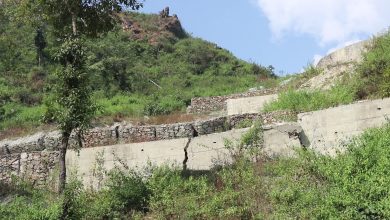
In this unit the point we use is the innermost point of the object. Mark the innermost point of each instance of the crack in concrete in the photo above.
(186, 154)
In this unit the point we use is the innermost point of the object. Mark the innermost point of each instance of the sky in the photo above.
(287, 34)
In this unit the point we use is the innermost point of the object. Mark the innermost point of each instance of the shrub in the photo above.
(24, 202)
(353, 185)
(233, 192)
(124, 193)
(374, 71)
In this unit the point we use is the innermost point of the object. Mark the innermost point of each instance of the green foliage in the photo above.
(310, 71)
(374, 71)
(353, 185)
(244, 124)
(249, 145)
(72, 89)
(304, 101)
(229, 193)
(121, 69)
(124, 193)
(28, 203)
(233, 192)
(128, 190)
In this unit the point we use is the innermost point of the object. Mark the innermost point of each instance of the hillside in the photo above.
(148, 65)
(303, 146)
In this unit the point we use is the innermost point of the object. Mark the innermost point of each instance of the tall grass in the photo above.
(304, 101)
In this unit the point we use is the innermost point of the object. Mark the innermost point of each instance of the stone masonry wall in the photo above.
(35, 167)
(9, 165)
(218, 103)
(122, 134)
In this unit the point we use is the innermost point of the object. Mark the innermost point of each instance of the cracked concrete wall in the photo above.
(321, 130)
(193, 153)
(327, 130)
(198, 153)
(126, 133)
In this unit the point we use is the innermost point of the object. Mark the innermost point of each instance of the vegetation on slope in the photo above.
(304, 101)
(371, 80)
(374, 71)
(148, 65)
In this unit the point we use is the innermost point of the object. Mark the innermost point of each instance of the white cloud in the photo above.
(329, 21)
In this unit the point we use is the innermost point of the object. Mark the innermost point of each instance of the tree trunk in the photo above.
(40, 58)
(63, 149)
(74, 24)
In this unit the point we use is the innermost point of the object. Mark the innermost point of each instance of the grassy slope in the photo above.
(371, 80)
(123, 67)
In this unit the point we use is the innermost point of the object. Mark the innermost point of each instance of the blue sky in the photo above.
(287, 34)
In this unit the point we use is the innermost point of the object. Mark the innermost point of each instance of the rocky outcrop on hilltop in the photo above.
(154, 29)
(336, 65)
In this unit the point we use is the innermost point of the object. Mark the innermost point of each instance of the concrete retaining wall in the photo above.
(195, 153)
(202, 153)
(327, 129)
(124, 133)
(218, 103)
(324, 131)
(249, 104)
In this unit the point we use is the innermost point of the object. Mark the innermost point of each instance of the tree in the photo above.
(40, 44)
(72, 21)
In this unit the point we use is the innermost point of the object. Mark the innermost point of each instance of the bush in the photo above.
(233, 192)
(124, 194)
(353, 185)
(374, 71)
(25, 203)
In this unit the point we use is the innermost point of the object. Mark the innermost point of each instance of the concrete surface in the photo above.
(202, 153)
(249, 104)
(327, 130)
(134, 156)
(280, 140)
(208, 151)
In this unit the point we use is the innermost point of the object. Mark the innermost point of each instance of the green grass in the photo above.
(353, 185)
(304, 101)
(14, 115)
(374, 71)
(123, 74)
